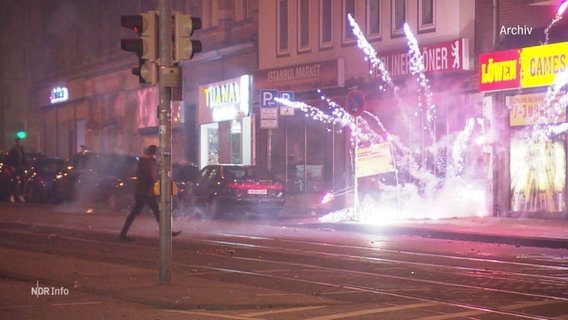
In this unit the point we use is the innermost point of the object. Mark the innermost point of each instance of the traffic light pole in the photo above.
(165, 135)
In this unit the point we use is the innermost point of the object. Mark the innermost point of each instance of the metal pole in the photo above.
(355, 174)
(165, 135)
(269, 150)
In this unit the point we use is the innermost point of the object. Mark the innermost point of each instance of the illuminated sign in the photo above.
(58, 94)
(541, 64)
(438, 57)
(374, 159)
(522, 68)
(229, 99)
(527, 109)
(499, 70)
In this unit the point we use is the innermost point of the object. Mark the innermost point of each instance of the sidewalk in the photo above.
(513, 231)
(127, 283)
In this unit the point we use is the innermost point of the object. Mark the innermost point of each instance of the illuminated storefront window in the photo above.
(225, 122)
(537, 165)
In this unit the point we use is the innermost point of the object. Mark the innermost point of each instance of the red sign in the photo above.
(439, 57)
(499, 70)
(355, 103)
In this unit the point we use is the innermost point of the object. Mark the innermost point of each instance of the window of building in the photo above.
(348, 8)
(282, 27)
(209, 12)
(303, 25)
(426, 15)
(373, 19)
(326, 11)
(244, 9)
(398, 17)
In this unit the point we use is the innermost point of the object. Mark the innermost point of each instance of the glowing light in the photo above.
(327, 197)
(561, 8)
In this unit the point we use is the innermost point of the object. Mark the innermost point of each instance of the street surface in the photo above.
(249, 268)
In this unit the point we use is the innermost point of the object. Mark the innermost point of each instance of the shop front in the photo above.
(307, 153)
(525, 87)
(225, 122)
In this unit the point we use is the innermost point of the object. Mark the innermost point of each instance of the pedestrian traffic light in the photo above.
(145, 46)
(184, 47)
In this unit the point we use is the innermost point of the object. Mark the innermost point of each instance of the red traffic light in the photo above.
(135, 23)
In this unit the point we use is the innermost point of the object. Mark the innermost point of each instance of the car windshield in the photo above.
(255, 173)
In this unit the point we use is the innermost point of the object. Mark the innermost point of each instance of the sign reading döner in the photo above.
(439, 57)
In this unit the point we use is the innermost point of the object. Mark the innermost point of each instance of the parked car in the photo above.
(38, 185)
(183, 175)
(88, 176)
(238, 189)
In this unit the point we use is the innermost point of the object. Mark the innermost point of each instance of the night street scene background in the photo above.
(328, 159)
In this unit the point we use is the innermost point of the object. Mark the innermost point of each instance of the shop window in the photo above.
(538, 174)
(307, 159)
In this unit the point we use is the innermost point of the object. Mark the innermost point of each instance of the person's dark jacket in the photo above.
(17, 158)
(146, 175)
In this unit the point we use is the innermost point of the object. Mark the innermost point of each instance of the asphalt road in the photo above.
(255, 269)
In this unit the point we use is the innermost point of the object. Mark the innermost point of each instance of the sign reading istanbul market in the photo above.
(438, 57)
(522, 68)
(225, 100)
(308, 76)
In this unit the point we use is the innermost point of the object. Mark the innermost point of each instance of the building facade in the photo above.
(77, 89)
(310, 52)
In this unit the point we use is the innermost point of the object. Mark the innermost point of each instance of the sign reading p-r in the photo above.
(267, 98)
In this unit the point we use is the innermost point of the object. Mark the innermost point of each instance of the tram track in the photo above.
(363, 270)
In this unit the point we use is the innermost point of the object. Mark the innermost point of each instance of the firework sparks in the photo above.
(369, 51)
(561, 8)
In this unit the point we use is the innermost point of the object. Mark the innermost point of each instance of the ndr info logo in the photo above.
(49, 291)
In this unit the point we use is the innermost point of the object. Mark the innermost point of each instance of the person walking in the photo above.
(146, 177)
(18, 162)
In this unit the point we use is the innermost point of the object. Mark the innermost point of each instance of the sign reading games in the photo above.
(522, 68)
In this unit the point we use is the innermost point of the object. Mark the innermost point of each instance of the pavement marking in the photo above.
(478, 312)
(329, 293)
(270, 312)
(75, 303)
(280, 294)
(372, 311)
(19, 306)
(212, 315)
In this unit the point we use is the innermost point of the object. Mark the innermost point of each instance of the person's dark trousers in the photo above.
(141, 200)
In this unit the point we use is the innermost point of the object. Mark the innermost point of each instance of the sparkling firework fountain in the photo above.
(422, 194)
(561, 8)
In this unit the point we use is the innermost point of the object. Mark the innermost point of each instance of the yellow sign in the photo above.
(529, 109)
(157, 188)
(374, 159)
(541, 64)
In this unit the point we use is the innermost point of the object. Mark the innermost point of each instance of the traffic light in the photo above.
(184, 47)
(21, 134)
(145, 46)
